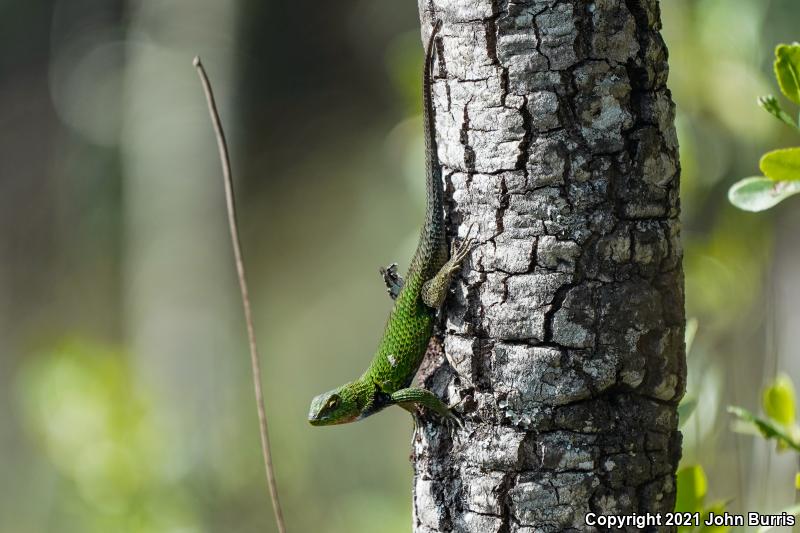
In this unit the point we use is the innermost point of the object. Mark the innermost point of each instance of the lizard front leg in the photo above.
(434, 291)
(412, 397)
(393, 280)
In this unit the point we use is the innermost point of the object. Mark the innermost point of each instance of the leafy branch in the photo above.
(781, 168)
(780, 422)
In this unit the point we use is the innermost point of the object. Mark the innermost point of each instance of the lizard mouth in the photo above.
(331, 421)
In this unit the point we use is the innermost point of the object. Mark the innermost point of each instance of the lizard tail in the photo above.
(432, 249)
(427, 100)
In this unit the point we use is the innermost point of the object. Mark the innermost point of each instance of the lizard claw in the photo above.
(452, 421)
(460, 252)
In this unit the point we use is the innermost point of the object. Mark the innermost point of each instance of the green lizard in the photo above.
(410, 324)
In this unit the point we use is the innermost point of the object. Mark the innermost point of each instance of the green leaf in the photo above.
(781, 165)
(759, 193)
(787, 70)
(767, 428)
(779, 402)
(770, 104)
(685, 409)
(793, 510)
(692, 488)
(797, 481)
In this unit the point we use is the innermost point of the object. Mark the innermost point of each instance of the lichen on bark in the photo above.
(562, 345)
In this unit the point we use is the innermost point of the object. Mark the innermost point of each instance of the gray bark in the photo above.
(563, 343)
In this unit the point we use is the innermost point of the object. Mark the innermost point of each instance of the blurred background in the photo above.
(125, 395)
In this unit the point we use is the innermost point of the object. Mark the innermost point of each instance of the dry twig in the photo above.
(248, 314)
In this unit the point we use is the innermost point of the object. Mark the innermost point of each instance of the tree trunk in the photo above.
(563, 343)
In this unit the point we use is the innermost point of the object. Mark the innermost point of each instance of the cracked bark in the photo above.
(563, 343)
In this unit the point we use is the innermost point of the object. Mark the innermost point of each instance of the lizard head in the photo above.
(338, 406)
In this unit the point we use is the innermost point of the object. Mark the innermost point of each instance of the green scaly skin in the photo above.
(410, 324)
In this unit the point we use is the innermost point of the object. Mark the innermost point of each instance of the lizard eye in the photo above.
(332, 402)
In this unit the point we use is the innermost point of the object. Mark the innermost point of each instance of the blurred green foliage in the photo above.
(691, 500)
(780, 424)
(781, 168)
(102, 434)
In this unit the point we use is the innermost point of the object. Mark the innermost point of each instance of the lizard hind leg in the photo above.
(434, 291)
(393, 280)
